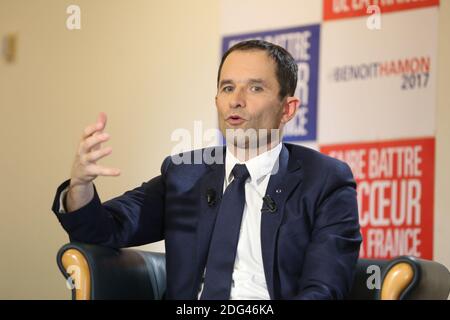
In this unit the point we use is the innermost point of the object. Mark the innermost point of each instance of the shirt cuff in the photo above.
(62, 197)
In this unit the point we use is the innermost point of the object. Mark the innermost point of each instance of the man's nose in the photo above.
(238, 98)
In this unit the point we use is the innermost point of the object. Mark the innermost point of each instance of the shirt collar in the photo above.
(258, 167)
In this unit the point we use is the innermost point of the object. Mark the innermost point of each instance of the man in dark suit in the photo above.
(263, 220)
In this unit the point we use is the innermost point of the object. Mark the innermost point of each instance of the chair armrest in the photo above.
(411, 278)
(98, 272)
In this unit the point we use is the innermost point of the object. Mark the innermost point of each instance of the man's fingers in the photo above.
(101, 120)
(98, 126)
(89, 130)
(96, 155)
(104, 171)
(92, 141)
(98, 145)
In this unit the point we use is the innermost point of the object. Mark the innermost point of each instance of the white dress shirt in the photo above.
(249, 281)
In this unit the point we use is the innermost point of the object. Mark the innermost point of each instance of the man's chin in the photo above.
(242, 126)
(250, 137)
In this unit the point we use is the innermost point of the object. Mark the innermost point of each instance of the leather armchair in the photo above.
(96, 272)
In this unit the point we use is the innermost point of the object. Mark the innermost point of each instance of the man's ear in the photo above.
(290, 107)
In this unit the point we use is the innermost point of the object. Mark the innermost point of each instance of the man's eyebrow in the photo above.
(251, 81)
(259, 81)
(224, 82)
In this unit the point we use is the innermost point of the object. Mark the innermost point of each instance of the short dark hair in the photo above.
(286, 67)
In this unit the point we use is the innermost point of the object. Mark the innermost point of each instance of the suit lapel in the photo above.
(280, 186)
(213, 179)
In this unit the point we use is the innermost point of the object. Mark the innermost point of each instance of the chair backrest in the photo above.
(401, 278)
(156, 265)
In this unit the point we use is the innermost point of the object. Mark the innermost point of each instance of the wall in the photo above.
(150, 65)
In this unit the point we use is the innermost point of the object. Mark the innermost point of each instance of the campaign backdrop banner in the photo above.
(395, 187)
(303, 44)
(376, 93)
(341, 9)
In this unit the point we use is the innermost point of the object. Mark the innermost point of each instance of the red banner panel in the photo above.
(341, 9)
(395, 185)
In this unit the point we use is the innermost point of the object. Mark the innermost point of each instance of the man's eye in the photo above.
(227, 89)
(256, 89)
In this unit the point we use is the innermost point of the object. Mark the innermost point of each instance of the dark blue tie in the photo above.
(222, 250)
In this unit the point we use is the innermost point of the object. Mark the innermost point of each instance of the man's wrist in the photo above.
(78, 195)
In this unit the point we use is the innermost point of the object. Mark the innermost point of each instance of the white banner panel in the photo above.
(378, 84)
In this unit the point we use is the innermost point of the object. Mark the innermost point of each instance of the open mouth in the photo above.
(235, 120)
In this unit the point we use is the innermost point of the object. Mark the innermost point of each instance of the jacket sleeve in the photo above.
(332, 254)
(132, 219)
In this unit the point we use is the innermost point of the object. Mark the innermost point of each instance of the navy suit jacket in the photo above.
(310, 244)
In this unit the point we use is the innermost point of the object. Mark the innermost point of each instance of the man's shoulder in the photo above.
(194, 160)
(314, 162)
(309, 156)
